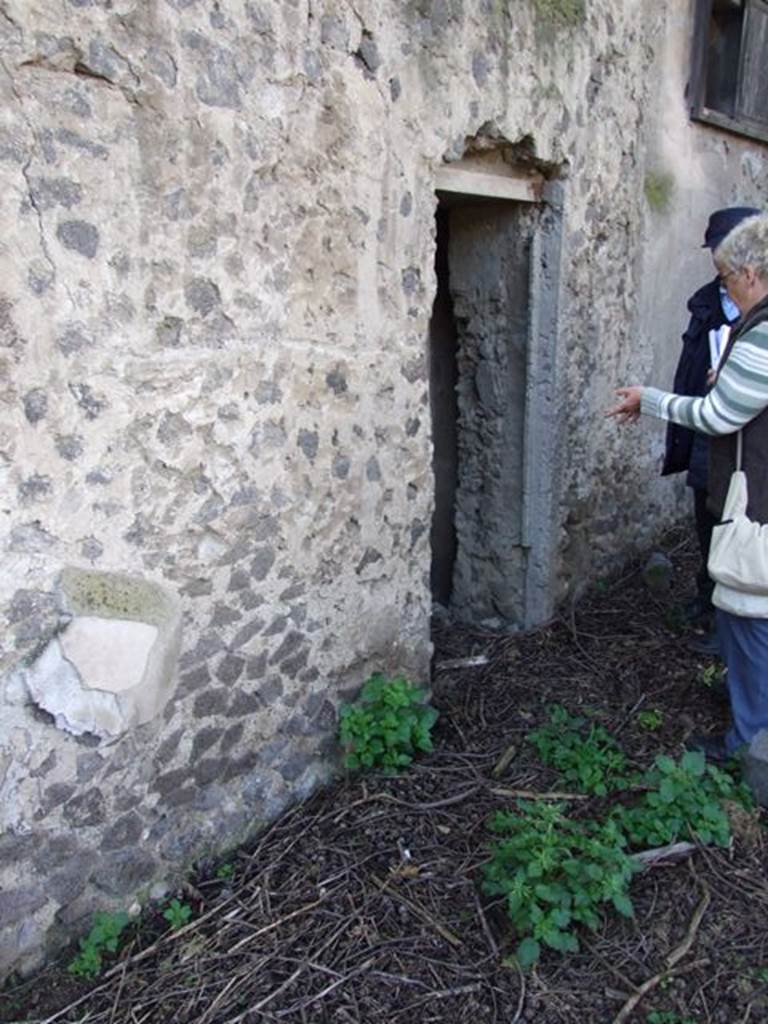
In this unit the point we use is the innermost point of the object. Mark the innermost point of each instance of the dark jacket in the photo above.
(722, 450)
(685, 449)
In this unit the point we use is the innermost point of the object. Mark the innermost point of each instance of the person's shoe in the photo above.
(705, 643)
(712, 747)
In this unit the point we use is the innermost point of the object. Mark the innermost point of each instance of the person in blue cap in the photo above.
(710, 310)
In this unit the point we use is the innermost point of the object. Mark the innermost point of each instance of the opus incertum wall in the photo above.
(216, 436)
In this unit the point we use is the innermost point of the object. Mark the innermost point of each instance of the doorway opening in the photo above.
(443, 380)
(490, 547)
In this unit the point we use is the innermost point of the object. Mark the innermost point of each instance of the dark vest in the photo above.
(685, 449)
(722, 450)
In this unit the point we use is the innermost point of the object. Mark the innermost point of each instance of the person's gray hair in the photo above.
(746, 246)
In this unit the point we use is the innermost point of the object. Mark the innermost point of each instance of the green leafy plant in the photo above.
(712, 675)
(667, 1017)
(225, 871)
(387, 725)
(586, 755)
(104, 937)
(651, 720)
(556, 874)
(177, 914)
(684, 797)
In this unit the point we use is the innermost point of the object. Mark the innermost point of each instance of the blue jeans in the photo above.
(744, 649)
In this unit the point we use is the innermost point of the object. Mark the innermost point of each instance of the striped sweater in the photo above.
(739, 394)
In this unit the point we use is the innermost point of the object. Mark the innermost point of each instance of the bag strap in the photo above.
(738, 451)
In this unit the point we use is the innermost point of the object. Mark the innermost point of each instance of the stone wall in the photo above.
(217, 280)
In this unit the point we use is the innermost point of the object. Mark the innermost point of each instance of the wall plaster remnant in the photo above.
(113, 665)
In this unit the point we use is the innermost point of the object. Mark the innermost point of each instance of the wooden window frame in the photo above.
(740, 124)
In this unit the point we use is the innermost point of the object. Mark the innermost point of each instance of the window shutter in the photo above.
(753, 76)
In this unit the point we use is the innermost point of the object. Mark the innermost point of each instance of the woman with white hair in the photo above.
(737, 403)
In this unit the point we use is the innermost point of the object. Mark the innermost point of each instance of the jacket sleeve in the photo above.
(739, 394)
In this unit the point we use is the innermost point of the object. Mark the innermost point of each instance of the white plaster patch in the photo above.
(55, 686)
(104, 675)
(109, 654)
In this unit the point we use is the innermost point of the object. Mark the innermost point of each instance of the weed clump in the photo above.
(387, 725)
(586, 755)
(104, 937)
(177, 914)
(683, 798)
(556, 873)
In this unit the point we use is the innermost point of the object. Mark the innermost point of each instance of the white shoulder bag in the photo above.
(738, 551)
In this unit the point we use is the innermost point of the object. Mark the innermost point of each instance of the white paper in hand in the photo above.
(718, 339)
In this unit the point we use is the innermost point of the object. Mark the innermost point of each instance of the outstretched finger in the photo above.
(617, 410)
(624, 414)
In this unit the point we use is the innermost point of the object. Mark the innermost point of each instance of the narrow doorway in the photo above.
(443, 379)
(479, 361)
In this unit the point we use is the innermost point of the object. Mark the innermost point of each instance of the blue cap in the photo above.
(722, 222)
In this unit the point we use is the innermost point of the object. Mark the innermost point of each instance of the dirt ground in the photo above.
(363, 906)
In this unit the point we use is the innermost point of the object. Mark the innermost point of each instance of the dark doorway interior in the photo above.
(478, 378)
(443, 378)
